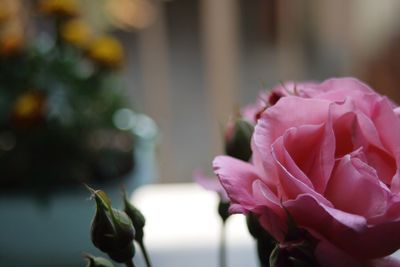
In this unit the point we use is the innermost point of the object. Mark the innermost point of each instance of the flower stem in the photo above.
(222, 246)
(145, 255)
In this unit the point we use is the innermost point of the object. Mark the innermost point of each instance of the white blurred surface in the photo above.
(183, 228)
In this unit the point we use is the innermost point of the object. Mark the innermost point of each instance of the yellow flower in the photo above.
(106, 51)
(11, 44)
(29, 106)
(63, 8)
(76, 32)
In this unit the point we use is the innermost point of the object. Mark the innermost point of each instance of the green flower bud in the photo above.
(112, 231)
(136, 217)
(237, 139)
(97, 261)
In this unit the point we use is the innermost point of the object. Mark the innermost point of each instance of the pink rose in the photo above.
(329, 154)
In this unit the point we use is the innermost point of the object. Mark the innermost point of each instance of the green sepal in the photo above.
(293, 255)
(274, 256)
(298, 263)
(136, 217)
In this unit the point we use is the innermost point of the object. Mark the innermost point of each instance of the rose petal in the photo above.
(384, 116)
(330, 256)
(378, 240)
(396, 111)
(343, 129)
(364, 134)
(248, 193)
(291, 186)
(395, 185)
(237, 178)
(331, 223)
(272, 216)
(338, 89)
(316, 165)
(349, 232)
(285, 161)
(355, 188)
(273, 123)
(265, 196)
(385, 262)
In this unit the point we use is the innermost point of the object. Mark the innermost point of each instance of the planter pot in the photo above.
(55, 233)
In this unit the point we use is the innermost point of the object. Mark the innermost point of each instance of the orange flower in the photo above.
(106, 51)
(63, 8)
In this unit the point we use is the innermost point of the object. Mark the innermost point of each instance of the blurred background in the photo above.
(168, 74)
(189, 63)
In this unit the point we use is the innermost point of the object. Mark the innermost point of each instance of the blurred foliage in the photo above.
(59, 91)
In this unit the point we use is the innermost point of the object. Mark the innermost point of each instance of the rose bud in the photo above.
(112, 231)
(97, 261)
(136, 217)
(237, 139)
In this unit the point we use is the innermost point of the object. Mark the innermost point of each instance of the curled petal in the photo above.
(237, 178)
(273, 124)
(349, 232)
(355, 188)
